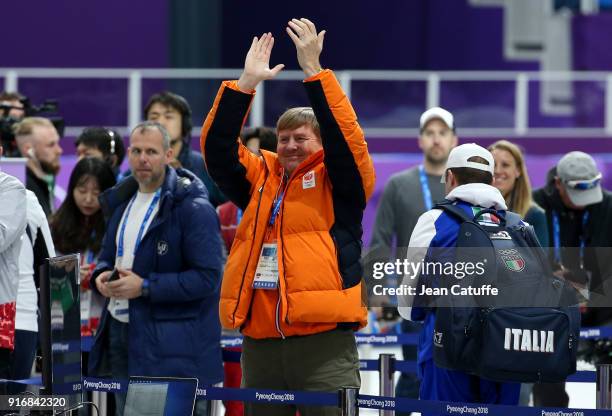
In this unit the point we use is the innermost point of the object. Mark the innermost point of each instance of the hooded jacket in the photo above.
(175, 331)
(319, 236)
(436, 228)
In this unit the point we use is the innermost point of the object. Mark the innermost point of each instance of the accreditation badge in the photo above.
(266, 275)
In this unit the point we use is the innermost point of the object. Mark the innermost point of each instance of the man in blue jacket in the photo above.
(163, 239)
(468, 177)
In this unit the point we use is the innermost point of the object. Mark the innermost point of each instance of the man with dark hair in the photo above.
(293, 280)
(259, 138)
(38, 141)
(103, 143)
(13, 102)
(174, 113)
(468, 177)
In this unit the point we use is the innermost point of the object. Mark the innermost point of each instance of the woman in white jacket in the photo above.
(12, 226)
(37, 235)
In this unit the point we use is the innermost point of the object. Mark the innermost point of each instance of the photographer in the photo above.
(11, 104)
(578, 223)
(38, 141)
(12, 110)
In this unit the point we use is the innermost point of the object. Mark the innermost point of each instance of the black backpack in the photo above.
(529, 331)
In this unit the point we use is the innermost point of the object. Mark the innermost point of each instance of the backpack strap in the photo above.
(513, 219)
(449, 207)
(454, 210)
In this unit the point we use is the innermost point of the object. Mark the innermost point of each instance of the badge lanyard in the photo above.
(142, 226)
(266, 274)
(557, 237)
(238, 216)
(278, 200)
(425, 188)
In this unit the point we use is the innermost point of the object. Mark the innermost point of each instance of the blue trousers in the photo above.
(22, 359)
(118, 357)
(456, 386)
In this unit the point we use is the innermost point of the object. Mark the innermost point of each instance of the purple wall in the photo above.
(396, 34)
(75, 33)
(591, 53)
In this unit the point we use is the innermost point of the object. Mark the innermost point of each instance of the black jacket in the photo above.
(40, 189)
(598, 241)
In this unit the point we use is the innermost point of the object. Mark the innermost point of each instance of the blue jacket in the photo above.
(434, 231)
(437, 229)
(176, 330)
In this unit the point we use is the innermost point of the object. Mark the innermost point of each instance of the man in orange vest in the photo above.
(293, 280)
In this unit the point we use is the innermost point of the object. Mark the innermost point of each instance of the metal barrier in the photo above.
(386, 370)
(604, 386)
(349, 401)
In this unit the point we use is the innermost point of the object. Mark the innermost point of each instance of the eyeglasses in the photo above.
(584, 184)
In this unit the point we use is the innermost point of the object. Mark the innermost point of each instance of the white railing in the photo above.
(433, 82)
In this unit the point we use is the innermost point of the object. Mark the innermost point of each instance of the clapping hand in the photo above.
(308, 44)
(257, 63)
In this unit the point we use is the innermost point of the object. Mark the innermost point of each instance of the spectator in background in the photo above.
(13, 102)
(103, 143)
(579, 220)
(13, 221)
(78, 227)
(162, 313)
(36, 246)
(259, 138)
(38, 141)
(512, 180)
(174, 113)
(406, 196)
(12, 110)
(255, 139)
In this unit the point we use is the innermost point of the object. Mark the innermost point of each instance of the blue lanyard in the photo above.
(90, 257)
(277, 200)
(276, 209)
(425, 188)
(557, 236)
(238, 216)
(142, 226)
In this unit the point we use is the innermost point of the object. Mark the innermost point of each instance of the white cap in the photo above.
(458, 158)
(437, 112)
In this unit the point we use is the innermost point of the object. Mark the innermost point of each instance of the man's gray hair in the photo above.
(153, 125)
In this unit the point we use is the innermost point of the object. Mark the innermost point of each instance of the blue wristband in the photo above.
(145, 288)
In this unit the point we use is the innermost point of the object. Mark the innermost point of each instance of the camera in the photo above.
(48, 109)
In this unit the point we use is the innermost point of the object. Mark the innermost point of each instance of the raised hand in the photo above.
(308, 44)
(257, 63)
